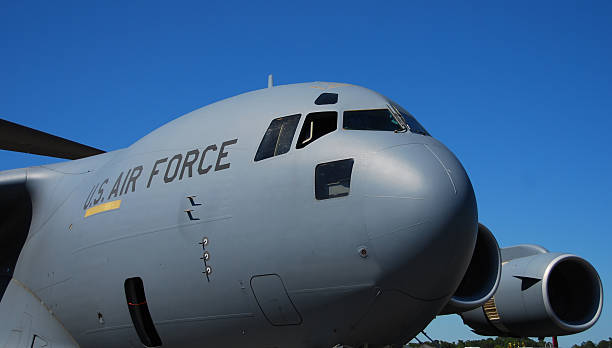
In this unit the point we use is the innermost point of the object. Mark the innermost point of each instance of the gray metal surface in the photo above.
(28, 322)
(188, 210)
(273, 300)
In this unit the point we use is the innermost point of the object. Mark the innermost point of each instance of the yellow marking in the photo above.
(490, 309)
(334, 85)
(103, 207)
(330, 85)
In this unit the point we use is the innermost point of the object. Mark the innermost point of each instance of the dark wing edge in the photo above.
(15, 218)
(15, 137)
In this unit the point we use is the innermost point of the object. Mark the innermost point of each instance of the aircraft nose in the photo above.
(421, 218)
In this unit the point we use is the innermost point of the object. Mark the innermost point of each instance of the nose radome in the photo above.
(421, 218)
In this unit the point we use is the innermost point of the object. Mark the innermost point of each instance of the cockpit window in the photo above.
(327, 98)
(413, 125)
(316, 125)
(395, 118)
(278, 137)
(377, 120)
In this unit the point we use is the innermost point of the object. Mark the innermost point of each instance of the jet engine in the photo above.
(482, 276)
(540, 294)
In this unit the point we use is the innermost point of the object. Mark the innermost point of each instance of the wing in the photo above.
(15, 137)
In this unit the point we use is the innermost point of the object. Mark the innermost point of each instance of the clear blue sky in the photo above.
(519, 90)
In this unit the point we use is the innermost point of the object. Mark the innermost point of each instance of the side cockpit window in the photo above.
(316, 125)
(278, 137)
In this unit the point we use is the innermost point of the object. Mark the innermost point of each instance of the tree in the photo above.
(605, 343)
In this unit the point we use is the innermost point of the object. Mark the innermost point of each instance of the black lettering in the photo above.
(155, 171)
(100, 199)
(222, 155)
(178, 158)
(189, 163)
(133, 179)
(90, 203)
(125, 181)
(205, 170)
(115, 189)
(91, 193)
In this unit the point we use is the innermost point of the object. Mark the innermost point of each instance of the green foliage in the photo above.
(509, 342)
(590, 344)
(504, 342)
(498, 342)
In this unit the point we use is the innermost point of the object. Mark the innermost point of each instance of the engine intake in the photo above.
(482, 276)
(546, 294)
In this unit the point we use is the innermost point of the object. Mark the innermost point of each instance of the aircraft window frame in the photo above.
(307, 133)
(410, 121)
(327, 98)
(336, 173)
(399, 127)
(278, 138)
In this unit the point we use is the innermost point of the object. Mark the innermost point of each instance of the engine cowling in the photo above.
(482, 276)
(540, 294)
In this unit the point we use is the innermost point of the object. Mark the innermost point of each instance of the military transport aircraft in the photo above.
(305, 215)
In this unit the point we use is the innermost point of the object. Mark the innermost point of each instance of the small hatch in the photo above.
(327, 98)
(333, 179)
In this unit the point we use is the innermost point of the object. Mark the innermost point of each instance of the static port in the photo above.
(363, 252)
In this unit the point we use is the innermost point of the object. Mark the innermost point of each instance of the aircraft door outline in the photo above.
(273, 300)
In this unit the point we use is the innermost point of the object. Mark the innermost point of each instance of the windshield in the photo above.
(378, 119)
(413, 125)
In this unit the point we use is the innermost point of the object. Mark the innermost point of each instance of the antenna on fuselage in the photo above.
(270, 81)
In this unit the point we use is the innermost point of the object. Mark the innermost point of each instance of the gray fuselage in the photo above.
(238, 252)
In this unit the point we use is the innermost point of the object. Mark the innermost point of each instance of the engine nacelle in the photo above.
(482, 276)
(540, 294)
